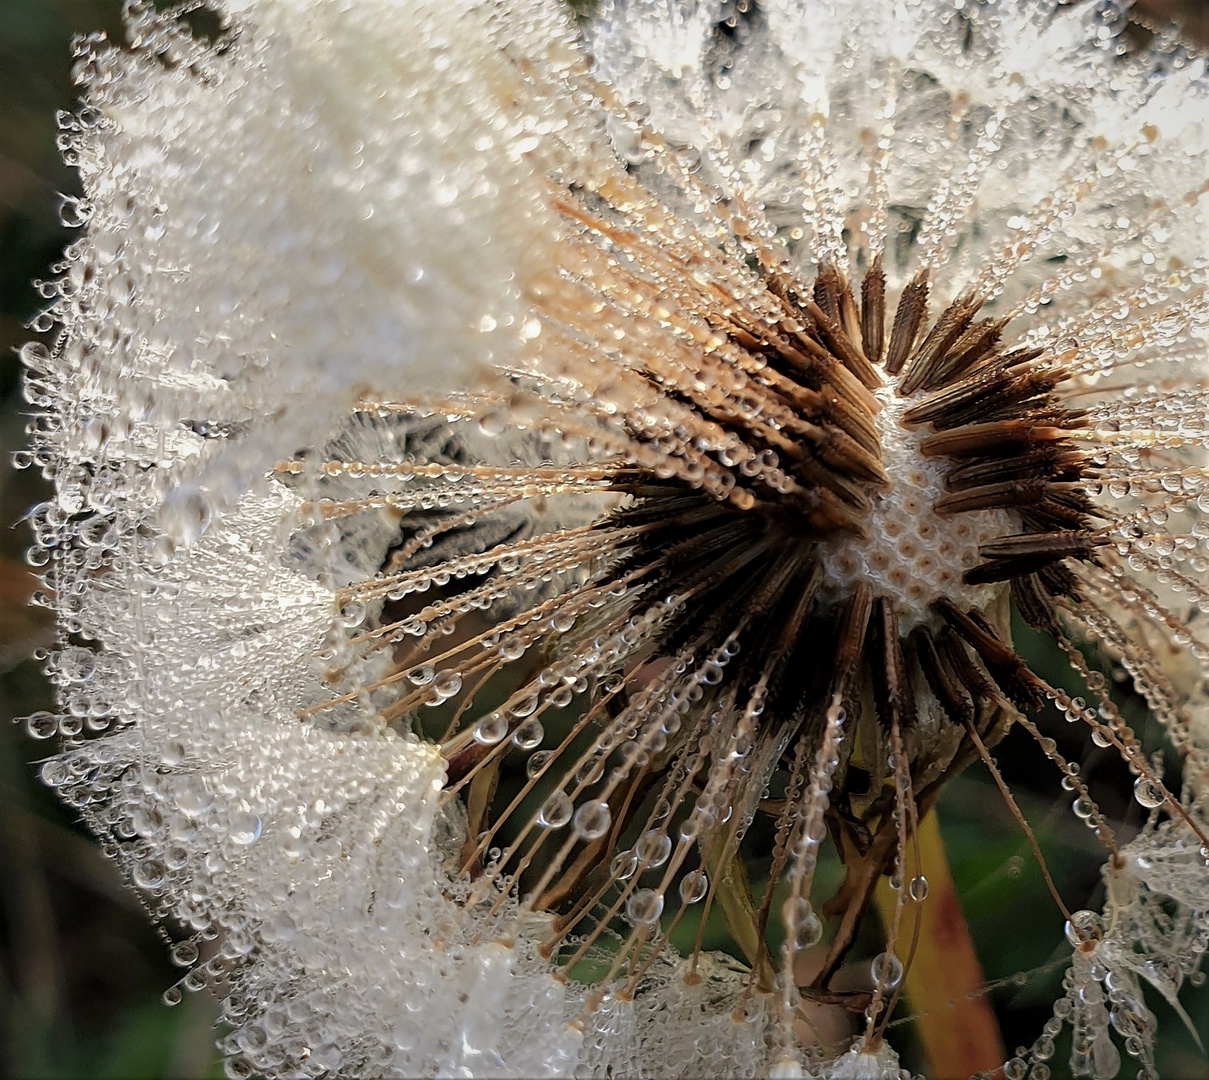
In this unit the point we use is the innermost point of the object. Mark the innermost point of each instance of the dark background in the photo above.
(81, 968)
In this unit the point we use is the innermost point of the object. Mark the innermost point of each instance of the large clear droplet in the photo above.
(644, 907)
(623, 866)
(887, 970)
(1084, 927)
(694, 886)
(555, 811)
(654, 848)
(491, 729)
(592, 820)
(529, 735)
(1147, 793)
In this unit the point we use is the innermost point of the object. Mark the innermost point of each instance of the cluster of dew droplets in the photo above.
(803, 928)
(1084, 1006)
(661, 707)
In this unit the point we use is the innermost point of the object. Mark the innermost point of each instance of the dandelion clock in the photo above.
(545, 502)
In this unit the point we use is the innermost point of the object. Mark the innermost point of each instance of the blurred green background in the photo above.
(81, 968)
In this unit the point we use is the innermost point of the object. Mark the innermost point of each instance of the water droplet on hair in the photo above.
(592, 820)
(1082, 927)
(644, 907)
(529, 735)
(555, 811)
(694, 886)
(1147, 793)
(491, 729)
(887, 970)
(653, 848)
(623, 866)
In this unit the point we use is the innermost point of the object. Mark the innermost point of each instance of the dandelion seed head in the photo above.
(506, 492)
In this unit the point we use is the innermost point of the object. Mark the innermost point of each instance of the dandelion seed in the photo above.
(819, 344)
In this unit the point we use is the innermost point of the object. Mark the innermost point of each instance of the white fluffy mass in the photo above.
(345, 201)
(335, 200)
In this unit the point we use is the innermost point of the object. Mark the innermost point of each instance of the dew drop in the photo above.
(446, 684)
(525, 707)
(694, 886)
(352, 613)
(491, 729)
(801, 922)
(529, 735)
(184, 954)
(537, 762)
(653, 848)
(591, 770)
(422, 675)
(555, 811)
(244, 827)
(1147, 793)
(42, 725)
(592, 820)
(623, 866)
(644, 907)
(887, 970)
(148, 874)
(512, 648)
(1083, 926)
